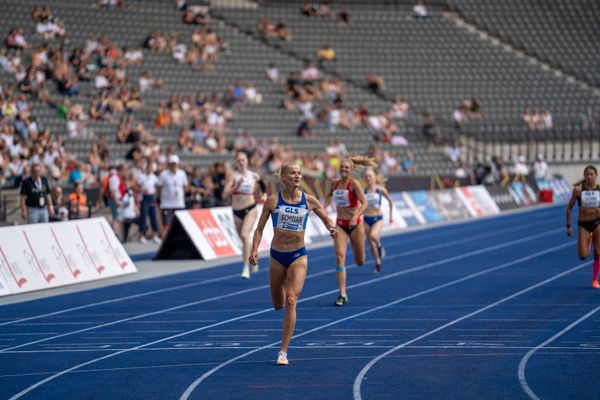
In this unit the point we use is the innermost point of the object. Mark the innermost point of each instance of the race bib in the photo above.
(291, 218)
(246, 186)
(372, 200)
(341, 198)
(590, 198)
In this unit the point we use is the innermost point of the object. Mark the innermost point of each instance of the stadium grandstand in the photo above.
(149, 79)
(501, 96)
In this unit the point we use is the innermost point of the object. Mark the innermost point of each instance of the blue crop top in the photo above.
(290, 217)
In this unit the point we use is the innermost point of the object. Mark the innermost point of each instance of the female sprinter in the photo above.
(373, 216)
(587, 195)
(289, 209)
(350, 202)
(241, 185)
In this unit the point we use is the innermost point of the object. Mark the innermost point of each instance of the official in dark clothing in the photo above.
(36, 201)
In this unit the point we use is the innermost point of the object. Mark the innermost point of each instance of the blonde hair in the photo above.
(361, 160)
(284, 169)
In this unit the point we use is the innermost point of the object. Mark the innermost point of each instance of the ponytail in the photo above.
(364, 161)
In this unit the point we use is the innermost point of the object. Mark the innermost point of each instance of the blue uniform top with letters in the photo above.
(290, 217)
(373, 199)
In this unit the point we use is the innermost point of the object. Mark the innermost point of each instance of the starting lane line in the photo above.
(311, 276)
(361, 375)
(236, 276)
(258, 362)
(532, 351)
(76, 367)
(185, 395)
(510, 353)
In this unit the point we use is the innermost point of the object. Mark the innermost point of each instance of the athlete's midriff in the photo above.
(287, 240)
(588, 214)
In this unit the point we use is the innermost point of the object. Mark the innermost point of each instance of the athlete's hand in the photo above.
(253, 258)
(570, 231)
(353, 221)
(391, 219)
(333, 232)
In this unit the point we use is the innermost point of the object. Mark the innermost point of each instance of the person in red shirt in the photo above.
(348, 196)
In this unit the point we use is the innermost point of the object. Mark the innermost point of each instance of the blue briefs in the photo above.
(286, 258)
(372, 220)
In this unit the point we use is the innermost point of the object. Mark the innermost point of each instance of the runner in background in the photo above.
(586, 194)
(241, 185)
(373, 216)
(289, 210)
(349, 199)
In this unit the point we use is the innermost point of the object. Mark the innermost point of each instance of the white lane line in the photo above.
(308, 359)
(193, 284)
(311, 276)
(525, 359)
(361, 375)
(576, 350)
(185, 395)
(505, 265)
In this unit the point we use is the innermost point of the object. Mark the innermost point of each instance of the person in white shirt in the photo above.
(540, 167)
(129, 208)
(521, 167)
(241, 185)
(172, 185)
(147, 182)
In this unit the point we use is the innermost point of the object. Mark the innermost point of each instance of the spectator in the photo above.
(520, 168)
(282, 31)
(431, 132)
(408, 163)
(547, 123)
(343, 17)
(459, 116)
(172, 184)
(454, 154)
(461, 170)
(273, 73)
(375, 83)
(16, 40)
(540, 167)
(481, 172)
(198, 188)
(78, 203)
(36, 200)
(420, 11)
(326, 53)
(114, 191)
(498, 170)
(130, 210)
(147, 182)
(75, 175)
(61, 211)
(147, 82)
(400, 108)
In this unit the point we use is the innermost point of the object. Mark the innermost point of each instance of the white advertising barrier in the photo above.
(42, 256)
(478, 200)
(212, 231)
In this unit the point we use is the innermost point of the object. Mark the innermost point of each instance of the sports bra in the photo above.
(247, 184)
(344, 198)
(589, 198)
(373, 199)
(290, 217)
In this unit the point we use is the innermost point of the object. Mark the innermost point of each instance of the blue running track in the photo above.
(498, 308)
